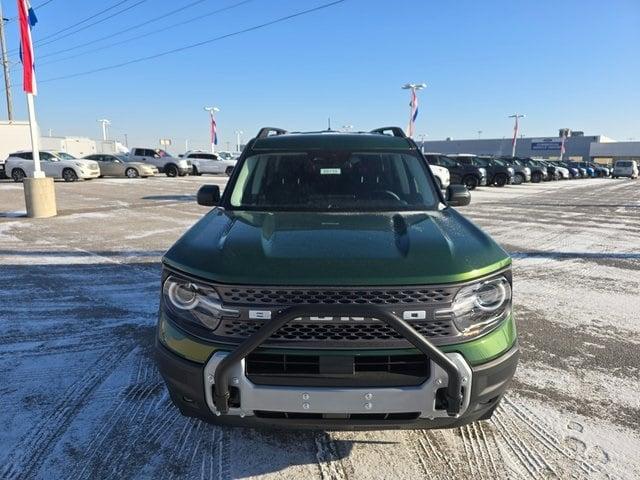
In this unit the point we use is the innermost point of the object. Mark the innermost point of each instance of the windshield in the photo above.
(334, 181)
(64, 156)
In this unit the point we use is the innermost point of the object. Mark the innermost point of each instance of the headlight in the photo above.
(483, 172)
(194, 302)
(481, 304)
(527, 171)
(511, 170)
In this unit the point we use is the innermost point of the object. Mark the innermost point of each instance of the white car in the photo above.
(625, 168)
(53, 163)
(442, 176)
(204, 162)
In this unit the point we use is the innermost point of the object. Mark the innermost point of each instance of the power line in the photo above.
(194, 45)
(49, 39)
(138, 36)
(35, 7)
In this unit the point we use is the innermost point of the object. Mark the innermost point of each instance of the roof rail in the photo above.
(396, 131)
(265, 131)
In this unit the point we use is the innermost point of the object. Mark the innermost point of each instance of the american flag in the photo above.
(27, 19)
(414, 112)
(214, 132)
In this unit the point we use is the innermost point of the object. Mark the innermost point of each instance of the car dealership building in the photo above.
(578, 147)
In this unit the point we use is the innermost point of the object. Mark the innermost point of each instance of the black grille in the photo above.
(347, 332)
(343, 370)
(341, 296)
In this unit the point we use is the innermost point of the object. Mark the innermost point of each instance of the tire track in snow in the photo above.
(329, 463)
(541, 432)
(31, 452)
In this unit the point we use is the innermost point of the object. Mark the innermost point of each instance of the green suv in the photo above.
(333, 286)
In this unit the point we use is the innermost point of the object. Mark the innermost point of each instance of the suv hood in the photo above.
(258, 248)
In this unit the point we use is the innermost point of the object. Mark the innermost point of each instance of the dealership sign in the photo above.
(545, 144)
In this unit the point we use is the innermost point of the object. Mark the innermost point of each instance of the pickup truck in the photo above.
(168, 164)
(334, 285)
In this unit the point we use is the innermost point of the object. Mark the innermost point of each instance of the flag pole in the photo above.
(39, 190)
(33, 130)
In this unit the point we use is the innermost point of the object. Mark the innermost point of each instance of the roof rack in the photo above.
(266, 132)
(396, 131)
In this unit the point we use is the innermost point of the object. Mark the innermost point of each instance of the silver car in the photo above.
(117, 166)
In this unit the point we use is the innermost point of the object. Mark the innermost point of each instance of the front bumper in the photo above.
(89, 174)
(455, 393)
(186, 383)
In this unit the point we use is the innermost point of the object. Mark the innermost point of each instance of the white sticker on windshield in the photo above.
(330, 171)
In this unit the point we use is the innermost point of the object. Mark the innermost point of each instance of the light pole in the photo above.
(413, 105)
(238, 139)
(105, 123)
(516, 116)
(422, 138)
(214, 129)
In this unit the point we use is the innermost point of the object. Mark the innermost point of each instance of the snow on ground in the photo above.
(81, 397)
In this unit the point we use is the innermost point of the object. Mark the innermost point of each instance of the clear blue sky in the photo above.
(574, 63)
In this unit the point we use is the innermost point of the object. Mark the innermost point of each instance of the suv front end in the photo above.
(323, 319)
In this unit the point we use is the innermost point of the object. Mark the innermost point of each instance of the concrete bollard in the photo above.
(40, 197)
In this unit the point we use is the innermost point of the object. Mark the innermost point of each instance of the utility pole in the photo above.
(516, 116)
(5, 67)
(105, 123)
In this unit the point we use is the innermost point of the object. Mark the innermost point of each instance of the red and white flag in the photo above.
(27, 19)
(515, 132)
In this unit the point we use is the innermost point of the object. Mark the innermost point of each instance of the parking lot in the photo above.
(81, 397)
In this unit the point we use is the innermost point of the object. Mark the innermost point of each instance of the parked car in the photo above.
(574, 172)
(165, 162)
(443, 179)
(601, 170)
(333, 285)
(556, 170)
(204, 162)
(459, 174)
(498, 174)
(54, 164)
(625, 168)
(539, 171)
(522, 173)
(595, 170)
(117, 166)
(584, 173)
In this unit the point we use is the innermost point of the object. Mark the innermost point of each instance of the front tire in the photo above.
(536, 177)
(518, 179)
(69, 175)
(500, 180)
(171, 171)
(18, 175)
(195, 171)
(131, 173)
(470, 182)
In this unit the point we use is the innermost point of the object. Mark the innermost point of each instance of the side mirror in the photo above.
(209, 195)
(458, 196)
